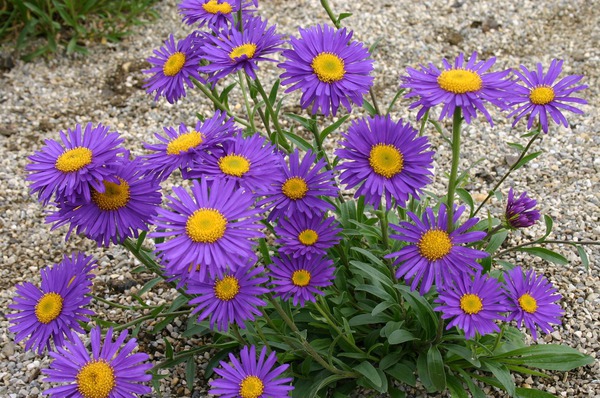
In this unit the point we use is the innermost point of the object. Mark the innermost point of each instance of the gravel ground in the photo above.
(39, 98)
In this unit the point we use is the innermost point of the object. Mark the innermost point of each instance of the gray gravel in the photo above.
(39, 98)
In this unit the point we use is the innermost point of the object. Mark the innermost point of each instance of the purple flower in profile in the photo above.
(217, 14)
(475, 304)
(520, 212)
(540, 95)
(232, 50)
(53, 310)
(300, 235)
(174, 66)
(80, 162)
(212, 228)
(531, 301)
(110, 370)
(229, 297)
(466, 85)
(328, 68)
(434, 255)
(248, 377)
(250, 161)
(300, 278)
(298, 188)
(384, 158)
(117, 213)
(189, 146)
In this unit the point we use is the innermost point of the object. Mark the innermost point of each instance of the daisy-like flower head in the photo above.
(300, 278)
(82, 160)
(117, 213)
(520, 212)
(297, 189)
(541, 95)
(531, 301)
(110, 370)
(328, 68)
(174, 66)
(188, 146)
(213, 227)
(232, 50)
(217, 14)
(300, 235)
(385, 158)
(475, 303)
(53, 310)
(251, 162)
(248, 377)
(229, 297)
(434, 255)
(467, 85)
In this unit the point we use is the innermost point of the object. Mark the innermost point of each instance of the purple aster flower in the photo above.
(72, 167)
(232, 50)
(212, 227)
(111, 370)
(386, 158)
(433, 254)
(174, 66)
(466, 85)
(217, 14)
(520, 212)
(541, 95)
(475, 304)
(115, 214)
(531, 301)
(298, 188)
(53, 310)
(248, 378)
(250, 161)
(188, 146)
(300, 235)
(300, 278)
(328, 68)
(229, 297)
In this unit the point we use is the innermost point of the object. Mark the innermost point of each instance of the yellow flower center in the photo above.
(541, 95)
(308, 237)
(460, 81)
(114, 196)
(251, 387)
(301, 278)
(213, 7)
(206, 226)
(528, 303)
(48, 307)
(227, 288)
(386, 160)
(234, 165)
(73, 159)
(96, 379)
(328, 67)
(247, 49)
(294, 188)
(174, 64)
(184, 143)
(470, 304)
(434, 244)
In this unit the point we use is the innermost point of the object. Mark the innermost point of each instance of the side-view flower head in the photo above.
(520, 211)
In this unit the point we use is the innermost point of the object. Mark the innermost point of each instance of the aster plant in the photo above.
(314, 256)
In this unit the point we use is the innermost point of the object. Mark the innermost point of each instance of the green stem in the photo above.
(510, 170)
(330, 13)
(282, 141)
(499, 337)
(218, 104)
(148, 317)
(246, 101)
(237, 335)
(456, 126)
(543, 242)
(124, 307)
(382, 214)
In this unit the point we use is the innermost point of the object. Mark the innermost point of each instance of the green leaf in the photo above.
(548, 221)
(464, 353)
(168, 349)
(526, 159)
(298, 141)
(324, 383)
(149, 285)
(496, 241)
(456, 388)
(476, 392)
(401, 336)
(343, 16)
(273, 93)
(334, 126)
(546, 356)
(379, 308)
(465, 196)
(584, 258)
(435, 367)
(403, 374)
(546, 254)
(370, 373)
(516, 145)
(190, 373)
(502, 374)
(423, 311)
(369, 108)
(423, 372)
(367, 319)
(532, 393)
